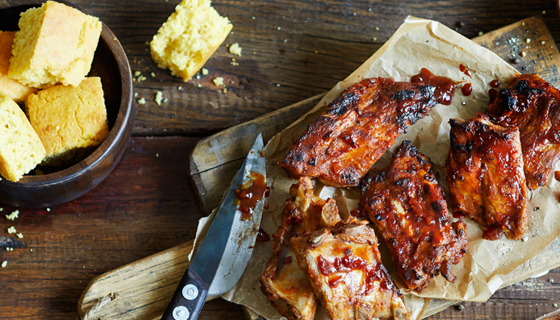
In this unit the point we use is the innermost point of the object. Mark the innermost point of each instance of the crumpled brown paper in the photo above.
(418, 43)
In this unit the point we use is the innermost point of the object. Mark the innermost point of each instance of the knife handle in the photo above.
(187, 300)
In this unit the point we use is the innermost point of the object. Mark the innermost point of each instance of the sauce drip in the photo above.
(459, 215)
(493, 94)
(287, 260)
(492, 233)
(467, 89)
(557, 175)
(262, 236)
(465, 70)
(495, 83)
(248, 196)
(445, 87)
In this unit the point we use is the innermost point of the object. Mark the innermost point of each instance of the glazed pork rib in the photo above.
(361, 124)
(532, 105)
(485, 176)
(344, 267)
(407, 206)
(283, 282)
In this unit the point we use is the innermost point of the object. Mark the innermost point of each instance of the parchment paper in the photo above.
(417, 43)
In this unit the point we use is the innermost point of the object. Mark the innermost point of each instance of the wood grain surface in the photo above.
(147, 205)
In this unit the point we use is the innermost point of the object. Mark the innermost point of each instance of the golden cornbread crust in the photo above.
(55, 44)
(189, 37)
(69, 120)
(21, 149)
(13, 89)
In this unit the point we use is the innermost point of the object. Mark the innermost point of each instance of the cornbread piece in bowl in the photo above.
(189, 37)
(69, 120)
(48, 186)
(55, 44)
(21, 149)
(13, 89)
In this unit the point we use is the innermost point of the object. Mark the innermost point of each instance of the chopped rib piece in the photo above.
(407, 205)
(532, 105)
(485, 175)
(283, 282)
(344, 267)
(361, 124)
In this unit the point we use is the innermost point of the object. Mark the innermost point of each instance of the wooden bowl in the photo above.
(67, 183)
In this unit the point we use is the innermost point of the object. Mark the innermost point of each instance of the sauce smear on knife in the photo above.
(248, 196)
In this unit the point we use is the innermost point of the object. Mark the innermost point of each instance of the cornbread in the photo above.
(189, 37)
(13, 89)
(55, 44)
(21, 149)
(69, 120)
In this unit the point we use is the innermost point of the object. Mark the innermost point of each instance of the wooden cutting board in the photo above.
(142, 289)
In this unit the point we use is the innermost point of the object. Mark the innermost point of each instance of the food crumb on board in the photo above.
(9, 249)
(11, 230)
(48, 209)
(153, 74)
(179, 88)
(141, 101)
(4, 264)
(20, 235)
(218, 81)
(157, 155)
(204, 71)
(235, 49)
(12, 216)
(159, 98)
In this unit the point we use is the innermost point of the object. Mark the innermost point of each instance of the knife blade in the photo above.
(224, 252)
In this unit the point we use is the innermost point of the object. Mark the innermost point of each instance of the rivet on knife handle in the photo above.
(187, 300)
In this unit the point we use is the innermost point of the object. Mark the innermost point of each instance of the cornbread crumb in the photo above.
(159, 98)
(141, 101)
(235, 49)
(55, 44)
(20, 235)
(21, 149)
(189, 37)
(70, 121)
(4, 264)
(219, 81)
(204, 71)
(11, 230)
(12, 216)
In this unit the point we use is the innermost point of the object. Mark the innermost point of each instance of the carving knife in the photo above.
(224, 252)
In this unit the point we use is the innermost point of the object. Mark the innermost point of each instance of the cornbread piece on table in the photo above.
(13, 89)
(485, 176)
(21, 149)
(69, 120)
(55, 44)
(189, 37)
(344, 267)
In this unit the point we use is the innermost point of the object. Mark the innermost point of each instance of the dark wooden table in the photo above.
(292, 50)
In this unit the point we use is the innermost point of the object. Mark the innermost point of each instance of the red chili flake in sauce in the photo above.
(557, 175)
(467, 89)
(287, 260)
(493, 233)
(262, 236)
(445, 87)
(249, 196)
(347, 264)
(495, 83)
(465, 70)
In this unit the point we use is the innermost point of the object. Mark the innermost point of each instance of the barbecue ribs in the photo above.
(485, 176)
(407, 205)
(344, 267)
(361, 124)
(532, 105)
(283, 282)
